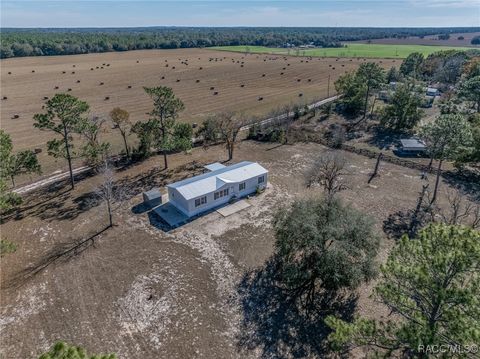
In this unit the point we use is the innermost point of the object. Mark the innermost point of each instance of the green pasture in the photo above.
(350, 50)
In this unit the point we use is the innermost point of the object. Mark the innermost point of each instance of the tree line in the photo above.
(48, 42)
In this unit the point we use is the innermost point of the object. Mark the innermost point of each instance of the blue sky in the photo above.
(125, 13)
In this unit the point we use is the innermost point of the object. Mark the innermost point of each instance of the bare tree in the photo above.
(457, 211)
(224, 127)
(121, 121)
(327, 172)
(109, 192)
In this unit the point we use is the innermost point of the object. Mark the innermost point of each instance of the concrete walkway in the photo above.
(233, 208)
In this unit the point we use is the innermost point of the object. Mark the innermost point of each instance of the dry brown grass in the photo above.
(116, 79)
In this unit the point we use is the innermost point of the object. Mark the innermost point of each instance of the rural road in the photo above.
(61, 176)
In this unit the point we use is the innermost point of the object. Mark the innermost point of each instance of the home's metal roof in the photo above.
(211, 181)
(214, 166)
(412, 143)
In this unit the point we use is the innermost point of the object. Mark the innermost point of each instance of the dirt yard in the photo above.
(199, 291)
(27, 82)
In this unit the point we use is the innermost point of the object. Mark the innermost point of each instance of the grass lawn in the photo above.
(350, 50)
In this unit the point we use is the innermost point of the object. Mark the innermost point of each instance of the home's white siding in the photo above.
(178, 200)
(188, 207)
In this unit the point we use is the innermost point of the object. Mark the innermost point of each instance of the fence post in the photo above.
(375, 171)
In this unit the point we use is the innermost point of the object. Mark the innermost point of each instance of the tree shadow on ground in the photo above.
(467, 182)
(276, 326)
(53, 201)
(58, 202)
(59, 253)
(385, 139)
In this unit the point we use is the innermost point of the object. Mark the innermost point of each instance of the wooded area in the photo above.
(48, 42)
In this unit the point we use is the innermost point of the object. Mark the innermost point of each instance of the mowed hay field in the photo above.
(190, 72)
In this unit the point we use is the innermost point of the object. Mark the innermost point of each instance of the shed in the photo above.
(431, 91)
(153, 197)
(412, 146)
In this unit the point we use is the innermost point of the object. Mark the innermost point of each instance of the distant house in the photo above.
(217, 187)
(431, 91)
(412, 146)
(384, 95)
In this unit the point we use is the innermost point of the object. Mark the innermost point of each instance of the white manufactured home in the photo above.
(217, 187)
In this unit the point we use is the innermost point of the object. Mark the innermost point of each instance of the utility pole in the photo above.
(328, 87)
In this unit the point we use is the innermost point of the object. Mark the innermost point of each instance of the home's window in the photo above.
(220, 194)
(241, 186)
(261, 179)
(200, 201)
